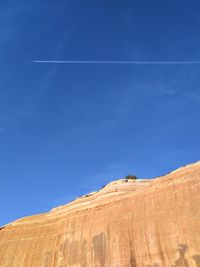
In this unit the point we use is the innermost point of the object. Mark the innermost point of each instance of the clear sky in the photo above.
(66, 130)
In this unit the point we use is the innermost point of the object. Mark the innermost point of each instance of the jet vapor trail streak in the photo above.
(116, 62)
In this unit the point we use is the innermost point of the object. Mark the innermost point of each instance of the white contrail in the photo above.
(116, 62)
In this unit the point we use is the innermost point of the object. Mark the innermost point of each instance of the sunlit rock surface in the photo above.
(142, 223)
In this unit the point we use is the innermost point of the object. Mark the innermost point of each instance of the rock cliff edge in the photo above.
(128, 223)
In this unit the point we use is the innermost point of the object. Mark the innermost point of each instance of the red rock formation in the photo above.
(142, 223)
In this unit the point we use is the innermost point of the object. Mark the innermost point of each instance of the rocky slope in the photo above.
(142, 223)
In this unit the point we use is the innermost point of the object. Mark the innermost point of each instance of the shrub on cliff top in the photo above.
(131, 177)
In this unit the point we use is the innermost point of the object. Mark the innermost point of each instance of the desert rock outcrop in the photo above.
(128, 223)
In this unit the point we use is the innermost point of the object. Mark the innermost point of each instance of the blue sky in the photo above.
(66, 130)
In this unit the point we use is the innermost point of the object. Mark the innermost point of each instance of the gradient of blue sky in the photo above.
(68, 129)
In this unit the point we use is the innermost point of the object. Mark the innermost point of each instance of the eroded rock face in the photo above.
(142, 223)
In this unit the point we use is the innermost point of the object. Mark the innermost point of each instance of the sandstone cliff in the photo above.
(142, 223)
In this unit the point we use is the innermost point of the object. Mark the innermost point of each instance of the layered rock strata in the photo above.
(128, 223)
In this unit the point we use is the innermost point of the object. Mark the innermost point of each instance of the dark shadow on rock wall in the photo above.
(181, 261)
(132, 258)
(75, 252)
(99, 246)
(196, 258)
